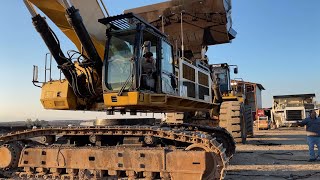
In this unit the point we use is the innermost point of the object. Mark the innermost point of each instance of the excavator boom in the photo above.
(90, 10)
(83, 75)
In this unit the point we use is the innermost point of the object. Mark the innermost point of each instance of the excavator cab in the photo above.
(126, 65)
(132, 81)
(221, 73)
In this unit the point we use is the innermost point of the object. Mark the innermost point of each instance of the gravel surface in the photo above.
(274, 154)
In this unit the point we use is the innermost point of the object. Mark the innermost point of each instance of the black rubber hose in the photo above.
(52, 43)
(75, 20)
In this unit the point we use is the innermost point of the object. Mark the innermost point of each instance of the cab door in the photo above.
(168, 84)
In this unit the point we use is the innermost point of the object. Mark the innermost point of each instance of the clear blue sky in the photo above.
(278, 45)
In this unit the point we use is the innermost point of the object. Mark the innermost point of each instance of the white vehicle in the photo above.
(288, 109)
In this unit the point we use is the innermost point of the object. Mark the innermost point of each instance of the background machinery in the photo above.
(287, 110)
(106, 73)
(263, 119)
(235, 114)
(250, 94)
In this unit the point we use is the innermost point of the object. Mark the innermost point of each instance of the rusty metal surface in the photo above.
(205, 22)
(6, 157)
(210, 146)
(222, 135)
(177, 163)
(9, 154)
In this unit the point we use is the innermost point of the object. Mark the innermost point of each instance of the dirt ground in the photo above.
(274, 154)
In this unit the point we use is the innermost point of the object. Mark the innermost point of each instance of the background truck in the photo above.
(288, 109)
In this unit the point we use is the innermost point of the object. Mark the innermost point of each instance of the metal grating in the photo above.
(124, 23)
(293, 115)
(114, 99)
(127, 21)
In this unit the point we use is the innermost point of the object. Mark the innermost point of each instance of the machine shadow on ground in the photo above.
(271, 157)
(273, 175)
(284, 136)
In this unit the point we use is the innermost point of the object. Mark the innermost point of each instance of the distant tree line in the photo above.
(36, 123)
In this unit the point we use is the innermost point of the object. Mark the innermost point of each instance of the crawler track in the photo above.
(222, 135)
(197, 144)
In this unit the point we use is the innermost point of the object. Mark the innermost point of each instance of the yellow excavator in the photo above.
(107, 72)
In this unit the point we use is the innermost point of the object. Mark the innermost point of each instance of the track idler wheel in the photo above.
(9, 157)
(211, 167)
(10, 154)
(48, 139)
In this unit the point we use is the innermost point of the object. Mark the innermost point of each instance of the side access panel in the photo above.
(177, 164)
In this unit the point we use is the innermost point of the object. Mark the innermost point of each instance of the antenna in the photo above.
(162, 22)
(104, 7)
(177, 52)
(182, 36)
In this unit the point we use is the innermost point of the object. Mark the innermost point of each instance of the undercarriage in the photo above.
(131, 152)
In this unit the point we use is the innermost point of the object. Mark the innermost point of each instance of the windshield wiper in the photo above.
(126, 83)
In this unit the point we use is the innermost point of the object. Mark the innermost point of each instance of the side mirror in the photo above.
(235, 70)
(35, 74)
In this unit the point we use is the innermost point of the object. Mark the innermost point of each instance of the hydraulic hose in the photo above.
(75, 20)
(52, 43)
